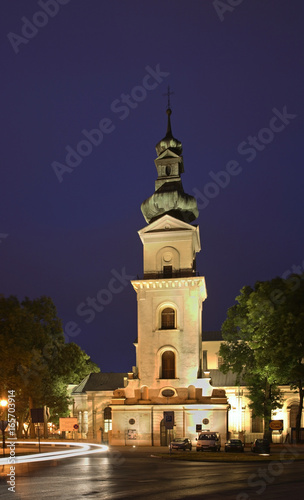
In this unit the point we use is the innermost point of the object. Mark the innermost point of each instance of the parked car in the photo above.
(261, 446)
(208, 441)
(234, 445)
(181, 444)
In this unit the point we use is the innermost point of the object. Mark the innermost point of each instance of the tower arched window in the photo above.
(168, 364)
(168, 318)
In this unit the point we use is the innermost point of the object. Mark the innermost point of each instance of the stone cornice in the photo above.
(220, 405)
(171, 283)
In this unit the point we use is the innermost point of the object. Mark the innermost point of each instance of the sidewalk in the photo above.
(274, 448)
(26, 448)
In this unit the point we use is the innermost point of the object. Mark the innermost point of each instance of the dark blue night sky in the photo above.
(72, 66)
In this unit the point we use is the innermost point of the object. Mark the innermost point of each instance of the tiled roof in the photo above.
(212, 335)
(220, 379)
(101, 382)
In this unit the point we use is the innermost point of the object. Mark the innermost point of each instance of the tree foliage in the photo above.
(264, 342)
(35, 361)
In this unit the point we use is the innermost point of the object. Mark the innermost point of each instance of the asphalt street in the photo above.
(124, 474)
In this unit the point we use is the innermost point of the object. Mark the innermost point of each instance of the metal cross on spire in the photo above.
(168, 94)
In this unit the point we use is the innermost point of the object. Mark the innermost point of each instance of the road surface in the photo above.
(137, 475)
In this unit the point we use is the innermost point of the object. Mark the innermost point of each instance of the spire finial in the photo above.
(168, 94)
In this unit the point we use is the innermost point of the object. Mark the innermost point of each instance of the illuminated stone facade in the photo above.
(168, 375)
(177, 365)
(169, 344)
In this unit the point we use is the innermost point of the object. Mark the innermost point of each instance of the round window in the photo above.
(206, 421)
(167, 256)
(168, 393)
(132, 421)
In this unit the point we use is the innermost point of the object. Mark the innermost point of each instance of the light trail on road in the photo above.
(83, 449)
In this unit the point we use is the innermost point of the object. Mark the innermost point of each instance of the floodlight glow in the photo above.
(3, 403)
(56, 455)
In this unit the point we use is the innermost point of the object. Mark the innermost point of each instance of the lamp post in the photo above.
(3, 423)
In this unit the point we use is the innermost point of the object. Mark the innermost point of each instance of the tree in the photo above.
(280, 335)
(239, 357)
(264, 342)
(36, 362)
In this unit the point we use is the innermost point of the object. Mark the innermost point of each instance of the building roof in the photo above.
(100, 382)
(212, 335)
(220, 379)
(111, 381)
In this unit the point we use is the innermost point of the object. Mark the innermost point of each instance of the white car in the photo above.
(208, 441)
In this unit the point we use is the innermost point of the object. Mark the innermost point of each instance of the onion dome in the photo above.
(169, 142)
(169, 196)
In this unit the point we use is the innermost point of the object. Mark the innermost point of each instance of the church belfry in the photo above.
(171, 377)
(170, 295)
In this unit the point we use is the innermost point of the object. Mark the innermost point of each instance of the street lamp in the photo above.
(3, 403)
(3, 423)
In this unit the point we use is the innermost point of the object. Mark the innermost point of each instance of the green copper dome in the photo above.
(174, 202)
(169, 196)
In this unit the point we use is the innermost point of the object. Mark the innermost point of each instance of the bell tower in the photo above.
(170, 294)
(169, 375)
